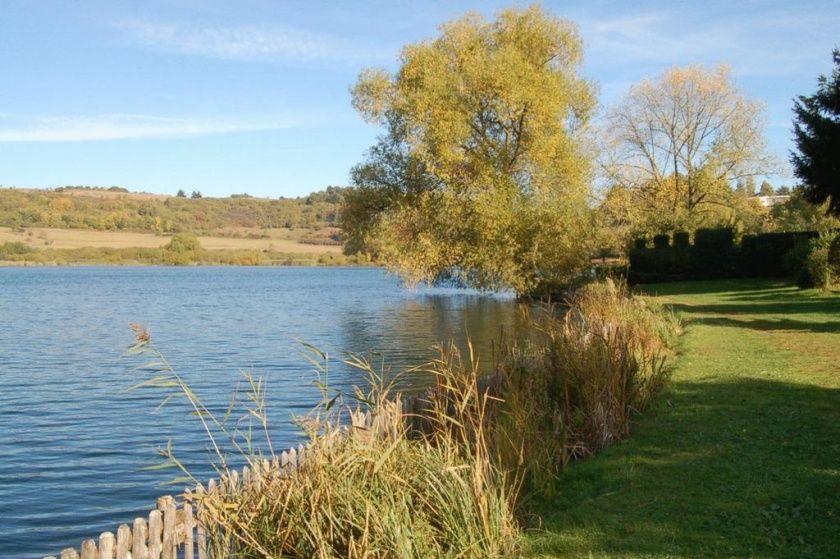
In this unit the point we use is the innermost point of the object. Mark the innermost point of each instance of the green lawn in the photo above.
(739, 458)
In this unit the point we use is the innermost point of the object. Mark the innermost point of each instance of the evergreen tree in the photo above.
(766, 189)
(817, 136)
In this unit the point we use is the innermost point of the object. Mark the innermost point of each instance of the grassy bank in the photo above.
(739, 458)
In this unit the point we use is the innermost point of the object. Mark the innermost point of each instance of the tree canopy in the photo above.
(482, 170)
(680, 144)
(816, 132)
(798, 214)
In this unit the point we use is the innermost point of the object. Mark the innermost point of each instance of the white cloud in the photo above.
(266, 43)
(124, 126)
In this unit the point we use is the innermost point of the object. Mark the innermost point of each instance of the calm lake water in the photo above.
(74, 443)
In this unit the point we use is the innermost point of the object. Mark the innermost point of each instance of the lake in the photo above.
(75, 444)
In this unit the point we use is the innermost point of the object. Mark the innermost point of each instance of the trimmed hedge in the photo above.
(714, 255)
(681, 239)
(649, 265)
(661, 241)
(764, 255)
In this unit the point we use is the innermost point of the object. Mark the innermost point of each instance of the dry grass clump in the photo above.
(382, 497)
(572, 390)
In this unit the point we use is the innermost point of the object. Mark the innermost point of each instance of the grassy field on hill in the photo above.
(281, 240)
(740, 457)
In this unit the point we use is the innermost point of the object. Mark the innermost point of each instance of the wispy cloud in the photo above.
(250, 42)
(125, 126)
(666, 38)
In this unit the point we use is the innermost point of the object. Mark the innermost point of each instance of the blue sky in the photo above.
(252, 96)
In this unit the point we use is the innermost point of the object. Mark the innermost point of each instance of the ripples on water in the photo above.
(73, 442)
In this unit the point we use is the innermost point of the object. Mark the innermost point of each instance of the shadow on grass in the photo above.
(783, 296)
(780, 308)
(741, 286)
(746, 467)
(776, 291)
(782, 324)
(759, 297)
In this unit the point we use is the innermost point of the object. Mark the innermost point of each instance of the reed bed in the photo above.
(376, 491)
(573, 389)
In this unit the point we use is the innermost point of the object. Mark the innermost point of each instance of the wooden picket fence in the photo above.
(172, 530)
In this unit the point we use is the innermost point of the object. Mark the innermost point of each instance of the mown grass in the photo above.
(741, 455)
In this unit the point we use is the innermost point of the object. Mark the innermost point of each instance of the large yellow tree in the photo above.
(481, 171)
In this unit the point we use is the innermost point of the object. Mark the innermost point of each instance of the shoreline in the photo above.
(31, 264)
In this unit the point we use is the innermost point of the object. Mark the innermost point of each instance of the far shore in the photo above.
(138, 264)
(40, 246)
(278, 240)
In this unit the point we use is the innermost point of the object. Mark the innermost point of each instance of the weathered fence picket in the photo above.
(172, 528)
(89, 550)
(123, 542)
(155, 534)
(139, 534)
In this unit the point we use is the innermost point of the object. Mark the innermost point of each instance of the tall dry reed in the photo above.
(573, 388)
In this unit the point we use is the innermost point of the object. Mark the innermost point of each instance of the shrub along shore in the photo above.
(157, 257)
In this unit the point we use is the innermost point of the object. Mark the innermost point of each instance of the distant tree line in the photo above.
(63, 209)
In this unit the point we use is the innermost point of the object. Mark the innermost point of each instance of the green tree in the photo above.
(195, 194)
(746, 186)
(798, 214)
(181, 194)
(183, 249)
(766, 189)
(481, 170)
(184, 242)
(816, 132)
